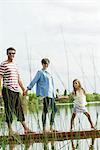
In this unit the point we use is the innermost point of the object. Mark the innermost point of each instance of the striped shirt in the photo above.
(10, 74)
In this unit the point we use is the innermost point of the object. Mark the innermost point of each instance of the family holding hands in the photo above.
(10, 80)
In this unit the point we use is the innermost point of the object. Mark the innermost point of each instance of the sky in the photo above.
(65, 31)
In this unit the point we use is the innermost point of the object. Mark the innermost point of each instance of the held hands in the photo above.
(63, 97)
(0, 94)
(25, 92)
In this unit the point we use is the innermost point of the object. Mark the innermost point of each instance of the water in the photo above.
(62, 123)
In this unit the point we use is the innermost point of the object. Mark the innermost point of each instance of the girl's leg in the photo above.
(72, 120)
(89, 118)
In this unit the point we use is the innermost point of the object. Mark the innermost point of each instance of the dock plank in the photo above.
(50, 136)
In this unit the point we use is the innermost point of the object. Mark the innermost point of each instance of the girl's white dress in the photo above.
(80, 102)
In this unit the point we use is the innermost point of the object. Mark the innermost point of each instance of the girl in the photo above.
(79, 96)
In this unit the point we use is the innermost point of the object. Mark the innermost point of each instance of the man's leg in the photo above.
(20, 114)
(7, 97)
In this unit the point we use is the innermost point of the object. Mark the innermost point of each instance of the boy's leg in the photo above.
(44, 120)
(45, 111)
(54, 110)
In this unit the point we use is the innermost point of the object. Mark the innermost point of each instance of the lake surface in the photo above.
(62, 123)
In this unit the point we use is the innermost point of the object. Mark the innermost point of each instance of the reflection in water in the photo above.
(51, 144)
(28, 146)
(62, 123)
(19, 147)
(91, 147)
(54, 145)
(11, 146)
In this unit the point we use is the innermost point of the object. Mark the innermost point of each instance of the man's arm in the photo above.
(0, 85)
(21, 84)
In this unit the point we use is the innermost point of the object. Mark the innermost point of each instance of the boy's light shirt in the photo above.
(44, 84)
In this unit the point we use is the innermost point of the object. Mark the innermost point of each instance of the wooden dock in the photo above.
(50, 136)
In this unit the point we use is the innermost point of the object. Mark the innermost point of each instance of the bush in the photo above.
(93, 97)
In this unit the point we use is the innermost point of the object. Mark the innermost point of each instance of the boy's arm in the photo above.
(35, 79)
(32, 83)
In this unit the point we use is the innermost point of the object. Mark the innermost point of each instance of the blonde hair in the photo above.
(80, 87)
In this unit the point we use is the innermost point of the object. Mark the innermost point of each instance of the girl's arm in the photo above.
(63, 97)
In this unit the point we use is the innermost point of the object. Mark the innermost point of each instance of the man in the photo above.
(45, 88)
(10, 78)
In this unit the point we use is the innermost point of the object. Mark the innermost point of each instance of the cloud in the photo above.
(35, 27)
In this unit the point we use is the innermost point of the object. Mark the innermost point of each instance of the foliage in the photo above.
(89, 97)
(93, 97)
(32, 102)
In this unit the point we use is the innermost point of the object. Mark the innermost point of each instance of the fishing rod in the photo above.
(79, 65)
(94, 69)
(30, 72)
(95, 72)
(28, 57)
(58, 76)
(66, 53)
(82, 71)
(66, 50)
